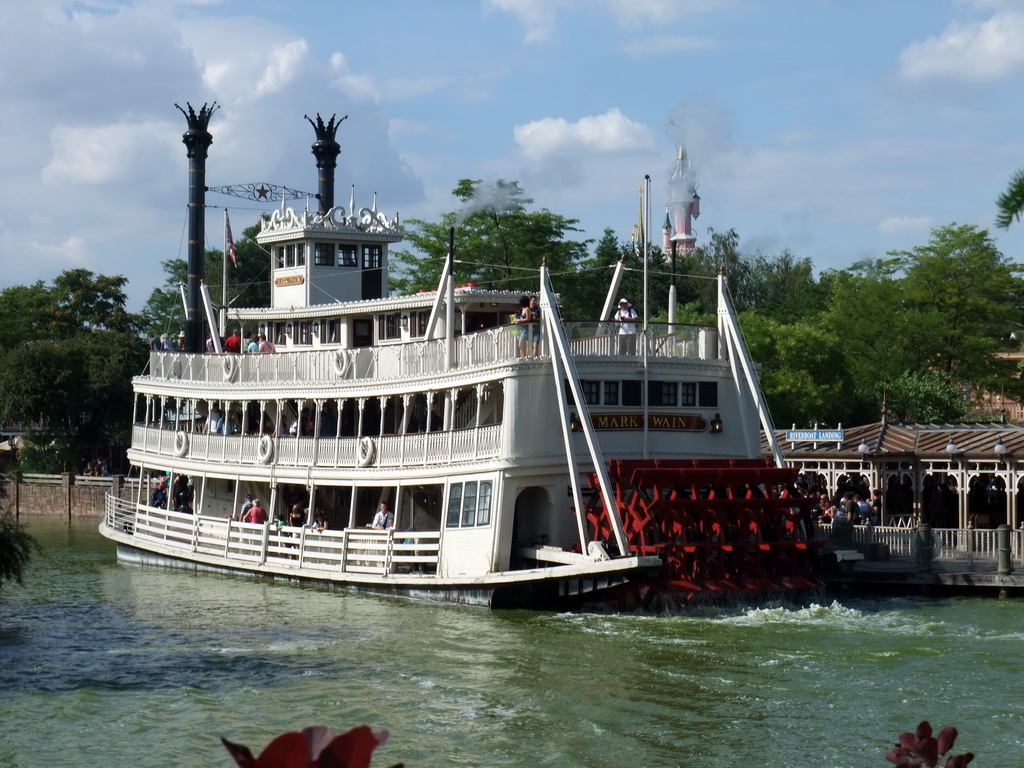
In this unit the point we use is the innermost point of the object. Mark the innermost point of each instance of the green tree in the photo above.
(498, 243)
(1011, 202)
(965, 293)
(782, 286)
(925, 396)
(804, 376)
(16, 548)
(248, 283)
(68, 369)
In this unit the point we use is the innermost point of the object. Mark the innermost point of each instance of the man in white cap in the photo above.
(627, 319)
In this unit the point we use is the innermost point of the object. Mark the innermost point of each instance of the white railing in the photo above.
(388, 450)
(353, 550)
(953, 548)
(427, 358)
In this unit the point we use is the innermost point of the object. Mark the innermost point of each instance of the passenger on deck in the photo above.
(182, 493)
(266, 346)
(253, 347)
(535, 326)
(320, 521)
(297, 517)
(257, 514)
(159, 497)
(384, 520)
(233, 343)
(627, 319)
(246, 506)
(522, 319)
(215, 421)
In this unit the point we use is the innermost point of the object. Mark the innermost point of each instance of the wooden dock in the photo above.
(922, 559)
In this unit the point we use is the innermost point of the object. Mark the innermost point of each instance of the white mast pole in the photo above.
(224, 283)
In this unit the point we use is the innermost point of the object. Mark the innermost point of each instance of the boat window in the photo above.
(389, 326)
(708, 394)
(289, 255)
(333, 330)
(611, 393)
(279, 333)
(300, 254)
(454, 505)
(279, 253)
(632, 392)
(689, 398)
(418, 324)
(591, 392)
(362, 331)
(372, 256)
(483, 507)
(323, 254)
(468, 504)
(347, 256)
(304, 333)
(664, 393)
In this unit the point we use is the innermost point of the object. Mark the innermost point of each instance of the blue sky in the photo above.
(840, 130)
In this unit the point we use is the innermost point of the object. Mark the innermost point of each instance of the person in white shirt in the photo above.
(627, 319)
(384, 520)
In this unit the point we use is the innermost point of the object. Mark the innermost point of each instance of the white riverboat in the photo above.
(606, 469)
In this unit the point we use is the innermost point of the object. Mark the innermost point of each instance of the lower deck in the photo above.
(381, 561)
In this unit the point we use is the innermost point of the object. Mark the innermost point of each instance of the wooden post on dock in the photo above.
(1003, 550)
(67, 481)
(924, 548)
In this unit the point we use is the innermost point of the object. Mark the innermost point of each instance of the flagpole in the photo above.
(224, 283)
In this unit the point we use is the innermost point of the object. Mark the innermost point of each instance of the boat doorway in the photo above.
(532, 524)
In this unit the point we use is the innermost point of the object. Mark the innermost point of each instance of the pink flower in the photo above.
(316, 747)
(922, 750)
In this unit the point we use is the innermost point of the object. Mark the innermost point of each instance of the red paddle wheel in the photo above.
(721, 527)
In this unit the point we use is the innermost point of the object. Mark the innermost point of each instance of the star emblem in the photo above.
(262, 192)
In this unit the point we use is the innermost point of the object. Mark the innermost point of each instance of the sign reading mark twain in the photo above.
(680, 422)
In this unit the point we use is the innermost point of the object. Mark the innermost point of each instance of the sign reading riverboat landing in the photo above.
(815, 435)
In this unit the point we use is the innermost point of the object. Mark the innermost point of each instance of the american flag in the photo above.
(230, 239)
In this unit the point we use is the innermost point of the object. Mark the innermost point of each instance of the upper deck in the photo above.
(334, 365)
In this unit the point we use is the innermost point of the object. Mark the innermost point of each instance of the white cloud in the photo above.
(609, 133)
(285, 63)
(537, 16)
(69, 254)
(91, 155)
(985, 50)
(895, 225)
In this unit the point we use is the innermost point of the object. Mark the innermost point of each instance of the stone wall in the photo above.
(57, 495)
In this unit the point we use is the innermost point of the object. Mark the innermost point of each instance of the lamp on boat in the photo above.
(1000, 449)
(716, 424)
(952, 448)
(863, 449)
(575, 423)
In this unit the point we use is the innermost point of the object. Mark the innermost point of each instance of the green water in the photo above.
(104, 664)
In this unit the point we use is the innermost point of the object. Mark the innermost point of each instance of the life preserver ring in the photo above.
(230, 367)
(180, 443)
(265, 449)
(367, 449)
(341, 363)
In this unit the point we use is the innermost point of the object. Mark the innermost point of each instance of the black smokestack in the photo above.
(197, 140)
(326, 151)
